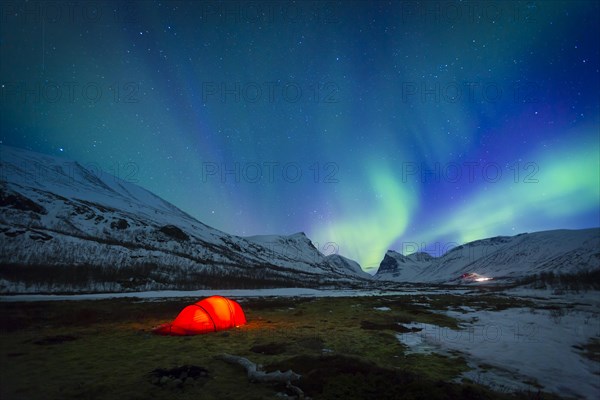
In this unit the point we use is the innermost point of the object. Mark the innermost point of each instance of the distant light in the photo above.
(61, 149)
(474, 277)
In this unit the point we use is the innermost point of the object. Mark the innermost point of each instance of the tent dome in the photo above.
(215, 313)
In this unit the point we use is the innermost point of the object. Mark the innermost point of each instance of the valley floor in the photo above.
(413, 344)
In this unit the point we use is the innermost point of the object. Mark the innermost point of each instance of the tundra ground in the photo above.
(344, 348)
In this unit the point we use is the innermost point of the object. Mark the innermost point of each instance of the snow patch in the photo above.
(519, 345)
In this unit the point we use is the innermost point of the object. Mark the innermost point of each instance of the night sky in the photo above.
(369, 125)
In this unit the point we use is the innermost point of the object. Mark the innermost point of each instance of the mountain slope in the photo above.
(403, 268)
(345, 265)
(559, 251)
(62, 226)
(298, 247)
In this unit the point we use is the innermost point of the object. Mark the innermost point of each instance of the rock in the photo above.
(120, 224)
(175, 383)
(188, 381)
(164, 380)
(183, 375)
(174, 232)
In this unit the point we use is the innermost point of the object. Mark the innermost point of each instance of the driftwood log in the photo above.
(255, 374)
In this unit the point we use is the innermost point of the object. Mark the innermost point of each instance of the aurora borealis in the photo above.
(368, 125)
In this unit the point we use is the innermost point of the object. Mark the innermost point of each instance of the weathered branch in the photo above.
(255, 374)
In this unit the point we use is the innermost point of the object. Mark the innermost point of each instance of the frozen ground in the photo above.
(382, 308)
(519, 348)
(510, 349)
(234, 293)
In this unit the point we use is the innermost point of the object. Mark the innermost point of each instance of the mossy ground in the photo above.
(104, 350)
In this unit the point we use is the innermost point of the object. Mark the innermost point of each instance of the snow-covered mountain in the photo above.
(345, 265)
(64, 226)
(559, 251)
(402, 268)
(299, 248)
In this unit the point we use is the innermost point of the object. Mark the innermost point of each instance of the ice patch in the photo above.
(419, 342)
(518, 346)
(234, 293)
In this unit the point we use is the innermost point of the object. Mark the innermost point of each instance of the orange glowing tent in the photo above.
(212, 314)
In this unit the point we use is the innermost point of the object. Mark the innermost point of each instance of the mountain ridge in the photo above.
(559, 250)
(65, 218)
(61, 222)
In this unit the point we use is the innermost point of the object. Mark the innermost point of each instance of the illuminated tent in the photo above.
(212, 314)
